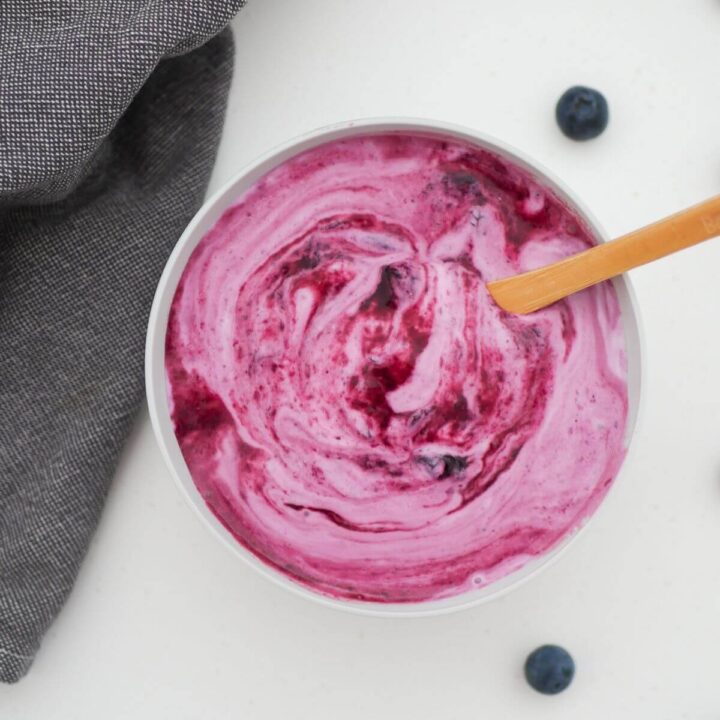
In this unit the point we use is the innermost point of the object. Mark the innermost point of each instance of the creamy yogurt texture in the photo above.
(352, 405)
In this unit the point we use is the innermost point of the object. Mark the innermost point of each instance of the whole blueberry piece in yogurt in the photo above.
(582, 113)
(350, 402)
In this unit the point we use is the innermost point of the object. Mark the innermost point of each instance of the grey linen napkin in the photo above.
(110, 117)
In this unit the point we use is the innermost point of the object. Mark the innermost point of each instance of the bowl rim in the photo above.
(206, 216)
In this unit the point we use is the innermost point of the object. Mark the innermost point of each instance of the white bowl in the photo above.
(155, 349)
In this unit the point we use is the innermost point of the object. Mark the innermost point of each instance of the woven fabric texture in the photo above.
(111, 114)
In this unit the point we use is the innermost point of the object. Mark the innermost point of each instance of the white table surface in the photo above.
(165, 623)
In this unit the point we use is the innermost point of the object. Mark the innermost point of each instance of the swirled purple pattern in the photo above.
(350, 402)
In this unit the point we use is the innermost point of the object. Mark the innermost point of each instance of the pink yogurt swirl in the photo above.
(350, 402)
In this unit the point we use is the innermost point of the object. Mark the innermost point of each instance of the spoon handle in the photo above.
(536, 289)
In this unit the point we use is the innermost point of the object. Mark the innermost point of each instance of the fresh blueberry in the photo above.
(582, 113)
(549, 669)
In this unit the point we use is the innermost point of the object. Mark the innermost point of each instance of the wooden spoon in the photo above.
(536, 289)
